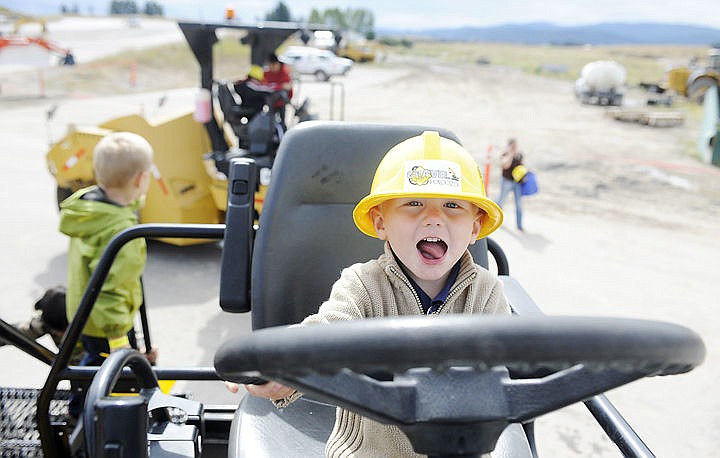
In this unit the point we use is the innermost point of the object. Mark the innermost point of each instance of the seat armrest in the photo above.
(239, 236)
(520, 302)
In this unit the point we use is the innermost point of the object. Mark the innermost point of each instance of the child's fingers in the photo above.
(152, 355)
(270, 390)
(232, 387)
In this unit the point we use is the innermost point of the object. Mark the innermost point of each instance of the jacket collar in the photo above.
(390, 265)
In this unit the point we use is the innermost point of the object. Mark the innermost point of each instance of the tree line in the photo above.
(357, 20)
(151, 8)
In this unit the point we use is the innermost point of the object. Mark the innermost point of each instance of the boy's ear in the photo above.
(477, 225)
(139, 177)
(378, 222)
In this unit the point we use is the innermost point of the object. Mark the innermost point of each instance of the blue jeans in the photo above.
(505, 187)
(95, 349)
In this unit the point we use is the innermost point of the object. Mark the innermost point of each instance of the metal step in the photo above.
(18, 428)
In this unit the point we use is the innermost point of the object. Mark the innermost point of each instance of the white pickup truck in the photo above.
(314, 61)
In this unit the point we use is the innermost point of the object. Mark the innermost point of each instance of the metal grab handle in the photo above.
(105, 380)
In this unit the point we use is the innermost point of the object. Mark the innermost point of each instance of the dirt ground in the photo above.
(625, 224)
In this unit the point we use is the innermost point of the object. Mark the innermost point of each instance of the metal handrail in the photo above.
(617, 429)
(24, 343)
(333, 85)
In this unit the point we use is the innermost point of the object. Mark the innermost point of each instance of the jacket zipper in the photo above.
(452, 292)
(409, 285)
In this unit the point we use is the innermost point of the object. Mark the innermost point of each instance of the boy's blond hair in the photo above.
(119, 157)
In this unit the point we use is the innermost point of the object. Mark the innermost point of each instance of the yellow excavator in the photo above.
(192, 154)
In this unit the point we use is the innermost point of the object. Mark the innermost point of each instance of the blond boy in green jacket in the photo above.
(91, 217)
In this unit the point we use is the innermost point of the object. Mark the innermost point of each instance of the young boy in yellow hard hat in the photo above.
(428, 202)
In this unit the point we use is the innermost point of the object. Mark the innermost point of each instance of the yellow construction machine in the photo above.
(693, 80)
(192, 154)
(359, 49)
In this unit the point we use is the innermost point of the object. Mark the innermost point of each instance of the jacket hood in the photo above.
(82, 218)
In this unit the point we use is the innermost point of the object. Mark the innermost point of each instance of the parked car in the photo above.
(313, 61)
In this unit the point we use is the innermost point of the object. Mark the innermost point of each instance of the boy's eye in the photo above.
(414, 203)
(452, 205)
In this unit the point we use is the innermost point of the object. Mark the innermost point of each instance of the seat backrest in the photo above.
(306, 234)
(226, 99)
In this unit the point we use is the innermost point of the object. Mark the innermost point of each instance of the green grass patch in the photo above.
(158, 68)
(173, 65)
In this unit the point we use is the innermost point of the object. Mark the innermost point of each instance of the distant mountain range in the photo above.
(597, 34)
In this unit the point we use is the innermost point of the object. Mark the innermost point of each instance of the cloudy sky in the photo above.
(420, 14)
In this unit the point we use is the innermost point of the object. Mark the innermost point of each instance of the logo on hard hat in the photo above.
(432, 176)
(419, 175)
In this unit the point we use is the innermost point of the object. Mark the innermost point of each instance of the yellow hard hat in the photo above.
(256, 72)
(427, 166)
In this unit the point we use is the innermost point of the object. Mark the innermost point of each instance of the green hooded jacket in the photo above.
(91, 224)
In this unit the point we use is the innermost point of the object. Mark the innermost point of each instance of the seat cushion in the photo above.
(260, 430)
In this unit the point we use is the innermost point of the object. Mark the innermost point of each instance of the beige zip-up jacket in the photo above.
(380, 288)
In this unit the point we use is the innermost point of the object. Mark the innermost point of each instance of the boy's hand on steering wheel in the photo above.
(271, 390)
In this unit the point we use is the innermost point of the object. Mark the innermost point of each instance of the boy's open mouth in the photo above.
(432, 248)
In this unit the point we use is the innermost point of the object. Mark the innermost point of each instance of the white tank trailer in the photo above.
(602, 82)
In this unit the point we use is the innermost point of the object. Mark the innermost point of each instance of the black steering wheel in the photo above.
(445, 381)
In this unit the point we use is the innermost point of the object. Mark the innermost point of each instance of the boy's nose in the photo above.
(433, 217)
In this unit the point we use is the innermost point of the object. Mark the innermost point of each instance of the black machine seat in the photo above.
(232, 109)
(302, 429)
(307, 235)
(256, 117)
